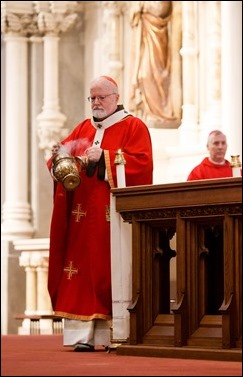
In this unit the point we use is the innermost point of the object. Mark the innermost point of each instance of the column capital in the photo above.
(55, 17)
(55, 23)
(114, 7)
(38, 17)
(18, 18)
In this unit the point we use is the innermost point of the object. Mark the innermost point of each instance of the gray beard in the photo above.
(99, 114)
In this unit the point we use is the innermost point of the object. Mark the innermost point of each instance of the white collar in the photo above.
(216, 163)
(111, 120)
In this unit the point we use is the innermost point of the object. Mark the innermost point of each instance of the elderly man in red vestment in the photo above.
(214, 166)
(79, 279)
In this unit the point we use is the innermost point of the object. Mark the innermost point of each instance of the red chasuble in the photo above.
(79, 279)
(207, 170)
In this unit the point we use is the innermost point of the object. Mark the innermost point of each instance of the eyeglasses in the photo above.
(99, 98)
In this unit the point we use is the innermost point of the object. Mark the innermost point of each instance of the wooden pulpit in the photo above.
(205, 218)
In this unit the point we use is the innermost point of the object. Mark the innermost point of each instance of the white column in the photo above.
(112, 21)
(231, 12)
(31, 291)
(16, 209)
(31, 279)
(52, 24)
(31, 297)
(36, 93)
(50, 120)
(43, 298)
(189, 64)
(213, 68)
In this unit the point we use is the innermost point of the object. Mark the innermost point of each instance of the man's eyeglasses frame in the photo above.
(99, 98)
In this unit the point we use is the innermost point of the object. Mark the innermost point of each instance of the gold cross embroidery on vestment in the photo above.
(78, 213)
(70, 270)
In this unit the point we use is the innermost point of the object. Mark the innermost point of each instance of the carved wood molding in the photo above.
(173, 213)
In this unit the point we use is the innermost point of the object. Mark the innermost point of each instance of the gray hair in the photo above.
(214, 133)
(107, 82)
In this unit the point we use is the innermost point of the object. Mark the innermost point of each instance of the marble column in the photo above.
(31, 292)
(112, 19)
(52, 23)
(189, 63)
(212, 72)
(16, 208)
(50, 120)
(231, 13)
(43, 299)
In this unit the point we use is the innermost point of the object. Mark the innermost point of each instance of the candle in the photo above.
(120, 169)
(236, 165)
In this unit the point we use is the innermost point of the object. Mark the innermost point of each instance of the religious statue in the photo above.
(151, 77)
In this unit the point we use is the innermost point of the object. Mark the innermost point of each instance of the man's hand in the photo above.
(55, 149)
(94, 153)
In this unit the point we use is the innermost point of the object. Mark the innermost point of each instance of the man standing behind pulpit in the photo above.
(215, 165)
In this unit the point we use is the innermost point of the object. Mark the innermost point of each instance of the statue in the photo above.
(151, 79)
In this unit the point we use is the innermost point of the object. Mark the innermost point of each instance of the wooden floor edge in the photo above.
(180, 352)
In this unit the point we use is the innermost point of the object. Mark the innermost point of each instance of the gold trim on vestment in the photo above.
(83, 317)
(108, 168)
